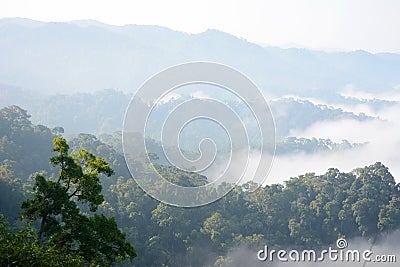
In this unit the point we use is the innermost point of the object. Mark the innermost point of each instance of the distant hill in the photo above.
(103, 111)
(85, 56)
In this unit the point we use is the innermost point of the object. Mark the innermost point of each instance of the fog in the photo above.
(384, 245)
(382, 137)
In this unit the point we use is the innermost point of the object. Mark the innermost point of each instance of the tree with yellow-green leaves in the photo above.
(62, 225)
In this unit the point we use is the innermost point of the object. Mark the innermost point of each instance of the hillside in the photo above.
(84, 56)
(308, 211)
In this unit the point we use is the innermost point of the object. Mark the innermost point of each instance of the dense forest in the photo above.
(86, 175)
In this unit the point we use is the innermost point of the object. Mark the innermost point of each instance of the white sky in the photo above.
(372, 25)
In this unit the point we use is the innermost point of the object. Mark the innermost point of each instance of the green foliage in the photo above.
(28, 146)
(389, 216)
(305, 211)
(291, 145)
(11, 194)
(97, 239)
(22, 249)
(90, 142)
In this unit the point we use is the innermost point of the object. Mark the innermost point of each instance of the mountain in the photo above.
(85, 56)
(103, 111)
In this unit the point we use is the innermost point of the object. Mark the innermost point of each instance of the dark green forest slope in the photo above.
(309, 211)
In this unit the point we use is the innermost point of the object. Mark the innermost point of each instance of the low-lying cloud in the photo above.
(386, 245)
(382, 137)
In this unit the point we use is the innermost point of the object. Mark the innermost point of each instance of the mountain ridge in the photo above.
(63, 57)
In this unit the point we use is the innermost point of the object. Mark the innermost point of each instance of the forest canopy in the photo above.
(308, 211)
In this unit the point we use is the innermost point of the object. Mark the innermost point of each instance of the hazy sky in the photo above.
(372, 25)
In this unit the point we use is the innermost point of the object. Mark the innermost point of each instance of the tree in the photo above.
(370, 192)
(62, 223)
(17, 136)
(217, 228)
(389, 216)
(22, 249)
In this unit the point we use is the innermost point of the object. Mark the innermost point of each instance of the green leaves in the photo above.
(55, 204)
(389, 216)
(106, 242)
(305, 211)
(22, 249)
(60, 146)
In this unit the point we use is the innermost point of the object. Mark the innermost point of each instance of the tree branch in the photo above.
(74, 193)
